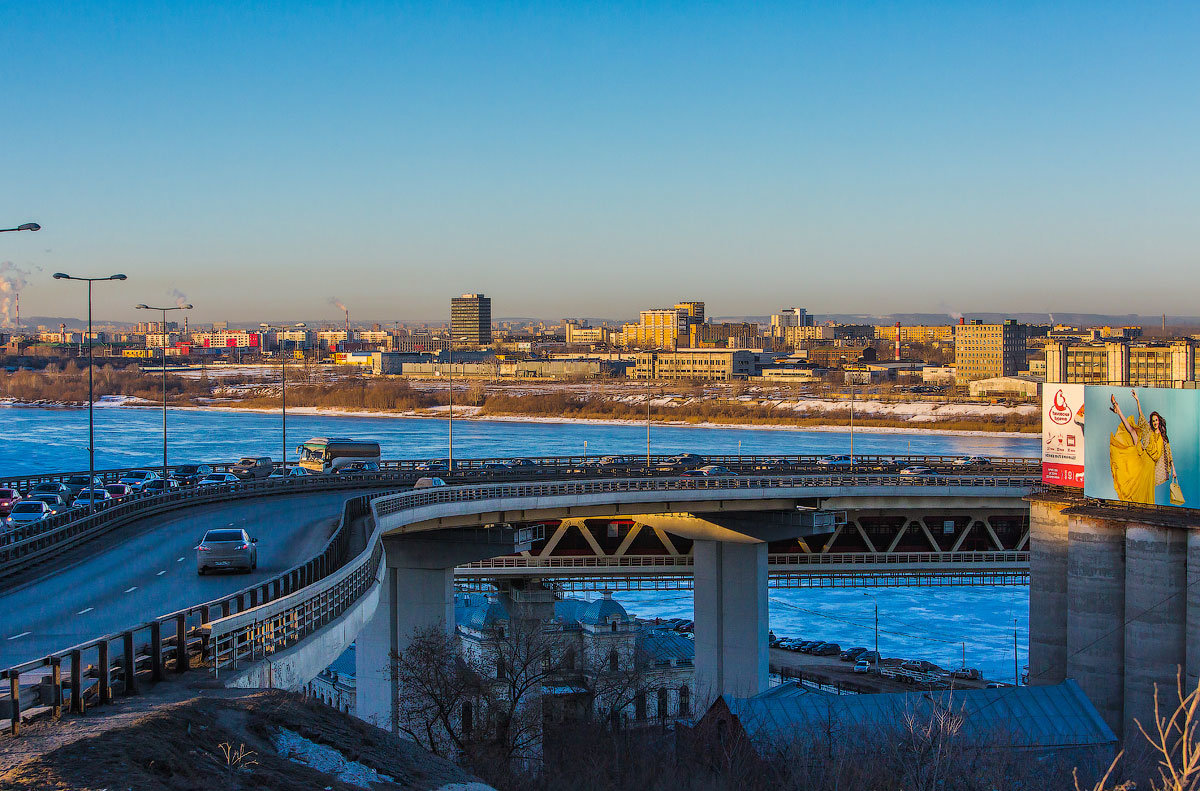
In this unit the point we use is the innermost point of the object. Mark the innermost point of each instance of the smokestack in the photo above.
(17, 300)
(62, 332)
(19, 319)
(184, 337)
(347, 324)
(897, 341)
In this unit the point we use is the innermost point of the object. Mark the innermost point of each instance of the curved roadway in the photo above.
(153, 572)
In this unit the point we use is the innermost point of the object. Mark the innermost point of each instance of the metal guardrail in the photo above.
(773, 559)
(95, 672)
(624, 465)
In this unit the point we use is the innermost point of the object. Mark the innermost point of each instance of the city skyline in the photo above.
(865, 158)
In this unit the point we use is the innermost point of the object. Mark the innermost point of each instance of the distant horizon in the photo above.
(1025, 317)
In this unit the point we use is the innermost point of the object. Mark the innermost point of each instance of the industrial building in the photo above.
(708, 365)
(986, 351)
(1124, 364)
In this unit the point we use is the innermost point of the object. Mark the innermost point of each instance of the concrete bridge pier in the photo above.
(731, 626)
(418, 594)
(1155, 614)
(1047, 591)
(730, 593)
(1096, 612)
(1193, 610)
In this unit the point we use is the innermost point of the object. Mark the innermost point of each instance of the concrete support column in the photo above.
(730, 618)
(412, 599)
(1193, 610)
(1096, 596)
(1155, 612)
(1047, 592)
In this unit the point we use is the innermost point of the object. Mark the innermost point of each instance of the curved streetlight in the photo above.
(283, 378)
(163, 327)
(29, 226)
(91, 393)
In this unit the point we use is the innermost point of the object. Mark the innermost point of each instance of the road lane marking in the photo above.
(84, 612)
(179, 561)
(131, 590)
(22, 634)
(159, 574)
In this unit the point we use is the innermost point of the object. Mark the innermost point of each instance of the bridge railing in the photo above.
(94, 671)
(624, 465)
(845, 559)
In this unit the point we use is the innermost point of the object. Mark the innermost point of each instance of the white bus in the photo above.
(330, 454)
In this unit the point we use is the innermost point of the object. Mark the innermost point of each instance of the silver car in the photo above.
(26, 512)
(226, 548)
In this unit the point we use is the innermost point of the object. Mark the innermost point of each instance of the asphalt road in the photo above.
(153, 572)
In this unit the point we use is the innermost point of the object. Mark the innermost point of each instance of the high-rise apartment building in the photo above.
(984, 351)
(789, 317)
(471, 319)
(694, 310)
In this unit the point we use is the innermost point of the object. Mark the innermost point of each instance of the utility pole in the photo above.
(1016, 662)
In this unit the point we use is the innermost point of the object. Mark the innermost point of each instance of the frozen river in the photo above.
(927, 623)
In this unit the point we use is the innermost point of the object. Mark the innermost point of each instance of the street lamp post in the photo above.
(283, 392)
(91, 391)
(876, 603)
(450, 423)
(33, 226)
(163, 328)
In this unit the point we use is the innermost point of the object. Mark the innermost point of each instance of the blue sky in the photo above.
(594, 158)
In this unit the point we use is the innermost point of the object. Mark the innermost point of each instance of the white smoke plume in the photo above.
(179, 297)
(12, 280)
(337, 303)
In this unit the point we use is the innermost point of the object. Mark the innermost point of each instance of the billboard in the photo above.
(1142, 445)
(1062, 435)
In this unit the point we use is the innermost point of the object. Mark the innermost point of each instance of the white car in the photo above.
(972, 461)
(862, 666)
(90, 497)
(26, 512)
(428, 483)
(216, 478)
(136, 479)
(917, 470)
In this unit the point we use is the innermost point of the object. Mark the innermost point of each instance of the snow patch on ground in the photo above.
(323, 758)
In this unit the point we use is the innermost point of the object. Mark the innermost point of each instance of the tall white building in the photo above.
(789, 317)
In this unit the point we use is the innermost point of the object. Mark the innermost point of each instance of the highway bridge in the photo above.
(363, 556)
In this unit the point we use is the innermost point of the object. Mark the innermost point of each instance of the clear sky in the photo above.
(593, 158)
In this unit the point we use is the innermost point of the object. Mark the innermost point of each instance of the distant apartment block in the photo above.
(583, 334)
(1123, 364)
(658, 328)
(725, 334)
(921, 334)
(708, 365)
(471, 320)
(228, 339)
(986, 351)
(789, 317)
(795, 336)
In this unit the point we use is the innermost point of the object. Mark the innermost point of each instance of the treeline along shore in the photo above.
(687, 403)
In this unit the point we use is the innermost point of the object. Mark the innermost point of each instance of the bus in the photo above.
(330, 454)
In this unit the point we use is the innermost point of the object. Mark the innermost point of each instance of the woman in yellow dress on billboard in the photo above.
(1140, 455)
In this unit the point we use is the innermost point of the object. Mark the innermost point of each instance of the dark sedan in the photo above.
(190, 474)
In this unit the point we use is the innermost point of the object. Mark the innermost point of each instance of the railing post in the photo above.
(77, 682)
(14, 689)
(105, 671)
(241, 601)
(225, 609)
(156, 657)
(182, 661)
(254, 597)
(56, 681)
(129, 664)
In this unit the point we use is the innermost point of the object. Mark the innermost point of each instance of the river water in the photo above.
(927, 623)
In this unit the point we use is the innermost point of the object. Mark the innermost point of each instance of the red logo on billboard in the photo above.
(1059, 412)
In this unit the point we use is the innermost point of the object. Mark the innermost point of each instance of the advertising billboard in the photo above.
(1062, 435)
(1142, 445)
